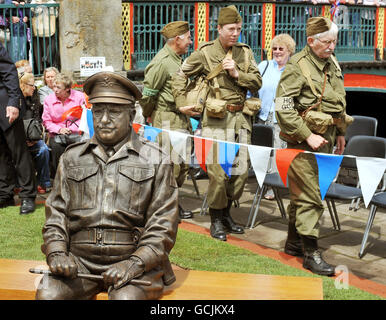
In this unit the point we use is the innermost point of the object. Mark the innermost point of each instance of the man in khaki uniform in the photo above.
(237, 74)
(157, 101)
(311, 89)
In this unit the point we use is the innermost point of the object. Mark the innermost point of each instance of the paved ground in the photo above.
(339, 247)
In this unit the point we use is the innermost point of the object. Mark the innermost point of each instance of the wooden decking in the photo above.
(16, 283)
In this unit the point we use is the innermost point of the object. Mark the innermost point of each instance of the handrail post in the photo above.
(380, 36)
(201, 23)
(268, 28)
(128, 38)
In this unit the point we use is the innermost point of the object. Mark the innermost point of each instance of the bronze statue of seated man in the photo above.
(113, 210)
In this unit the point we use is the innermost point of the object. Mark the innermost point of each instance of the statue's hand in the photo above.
(123, 272)
(62, 265)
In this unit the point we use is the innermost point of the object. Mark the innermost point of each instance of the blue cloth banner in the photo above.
(151, 133)
(227, 153)
(328, 166)
(90, 122)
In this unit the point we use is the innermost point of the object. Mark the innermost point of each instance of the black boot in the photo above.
(293, 245)
(228, 222)
(217, 230)
(184, 214)
(313, 258)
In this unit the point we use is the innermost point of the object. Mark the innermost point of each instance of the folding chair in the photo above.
(363, 126)
(378, 200)
(360, 146)
(263, 135)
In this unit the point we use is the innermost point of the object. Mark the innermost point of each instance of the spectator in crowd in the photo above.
(283, 46)
(19, 34)
(55, 105)
(44, 28)
(38, 149)
(13, 147)
(34, 107)
(49, 75)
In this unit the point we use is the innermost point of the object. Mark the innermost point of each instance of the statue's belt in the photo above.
(104, 236)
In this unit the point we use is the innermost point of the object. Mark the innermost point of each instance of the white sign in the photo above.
(91, 65)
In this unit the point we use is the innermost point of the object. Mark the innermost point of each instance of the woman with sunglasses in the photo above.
(38, 149)
(283, 46)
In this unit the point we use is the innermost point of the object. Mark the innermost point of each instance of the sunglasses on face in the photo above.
(278, 48)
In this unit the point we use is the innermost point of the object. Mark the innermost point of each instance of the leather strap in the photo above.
(234, 108)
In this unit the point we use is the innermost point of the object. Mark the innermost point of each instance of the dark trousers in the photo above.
(57, 150)
(16, 163)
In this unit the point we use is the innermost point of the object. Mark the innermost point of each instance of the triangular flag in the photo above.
(136, 127)
(151, 133)
(90, 122)
(178, 141)
(201, 149)
(83, 124)
(284, 158)
(370, 172)
(194, 123)
(260, 160)
(226, 155)
(328, 166)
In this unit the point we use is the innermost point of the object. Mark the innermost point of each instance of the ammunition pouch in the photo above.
(252, 106)
(216, 108)
(196, 93)
(317, 121)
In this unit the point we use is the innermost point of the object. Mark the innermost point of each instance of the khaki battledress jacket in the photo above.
(295, 94)
(134, 188)
(157, 99)
(235, 126)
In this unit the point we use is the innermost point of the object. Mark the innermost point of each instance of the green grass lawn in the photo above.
(20, 238)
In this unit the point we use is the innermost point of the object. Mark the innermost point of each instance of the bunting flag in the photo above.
(328, 166)
(334, 9)
(151, 133)
(194, 124)
(86, 124)
(227, 154)
(75, 112)
(136, 127)
(178, 141)
(284, 157)
(260, 160)
(370, 172)
(201, 149)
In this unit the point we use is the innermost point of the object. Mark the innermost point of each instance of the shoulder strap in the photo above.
(307, 74)
(215, 71)
(266, 67)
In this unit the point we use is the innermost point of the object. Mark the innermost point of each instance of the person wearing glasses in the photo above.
(38, 149)
(311, 90)
(283, 47)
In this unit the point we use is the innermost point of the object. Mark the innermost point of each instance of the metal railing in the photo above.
(30, 32)
(357, 25)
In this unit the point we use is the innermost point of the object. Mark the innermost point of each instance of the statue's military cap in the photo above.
(317, 25)
(229, 15)
(110, 87)
(175, 28)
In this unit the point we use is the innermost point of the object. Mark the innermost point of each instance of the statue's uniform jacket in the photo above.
(133, 188)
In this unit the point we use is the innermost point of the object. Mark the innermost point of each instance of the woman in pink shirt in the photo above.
(55, 105)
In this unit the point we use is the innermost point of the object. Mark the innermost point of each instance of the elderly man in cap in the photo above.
(311, 111)
(113, 210)
(230, 71)
(157, 101)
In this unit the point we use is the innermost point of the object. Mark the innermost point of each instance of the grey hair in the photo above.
(182, 36)
(333, 32)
